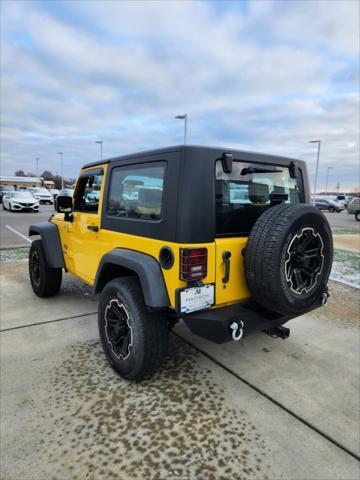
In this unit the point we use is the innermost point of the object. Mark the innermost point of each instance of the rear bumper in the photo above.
(214, 325)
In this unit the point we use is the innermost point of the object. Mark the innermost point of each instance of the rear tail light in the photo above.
(193, 264)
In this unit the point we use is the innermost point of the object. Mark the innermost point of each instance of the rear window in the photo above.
(241, 197)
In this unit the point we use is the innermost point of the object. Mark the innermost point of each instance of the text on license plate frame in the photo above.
(193, 299)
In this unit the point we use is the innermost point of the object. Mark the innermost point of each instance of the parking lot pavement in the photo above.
(66, 415)
(19, 223)
(343, 220)
(19, 306)
(315, 373)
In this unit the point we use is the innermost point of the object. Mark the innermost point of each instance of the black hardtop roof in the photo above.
(201, 149)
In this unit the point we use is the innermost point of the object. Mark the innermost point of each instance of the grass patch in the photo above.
(346, 231)
(14, 254)
(346, 267)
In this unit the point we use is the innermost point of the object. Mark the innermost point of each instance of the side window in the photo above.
(137, 191)
(88, 193)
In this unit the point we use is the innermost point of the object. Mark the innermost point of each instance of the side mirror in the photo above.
(64, 205)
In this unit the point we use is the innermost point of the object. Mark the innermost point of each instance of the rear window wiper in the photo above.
(249, 170)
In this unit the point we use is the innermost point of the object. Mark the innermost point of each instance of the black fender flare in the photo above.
(51, 242)
(144, 266)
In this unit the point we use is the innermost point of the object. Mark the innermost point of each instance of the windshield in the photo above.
(41, 190)
(22, 195)
(241, 197)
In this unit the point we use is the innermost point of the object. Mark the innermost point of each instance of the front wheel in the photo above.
(134, 340)
(45, 281)
(357, 216)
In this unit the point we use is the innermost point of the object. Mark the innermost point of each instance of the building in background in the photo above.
(21, 182)
(49, 184)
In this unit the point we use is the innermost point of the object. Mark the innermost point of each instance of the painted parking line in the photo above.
(18, 233)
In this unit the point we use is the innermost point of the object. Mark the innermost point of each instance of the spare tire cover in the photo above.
(288, 258)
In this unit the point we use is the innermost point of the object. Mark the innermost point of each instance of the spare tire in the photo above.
(288, 258)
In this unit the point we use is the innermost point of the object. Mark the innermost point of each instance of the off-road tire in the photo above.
(149, 330)
(267, 256)
(45, 281)
(357, 216)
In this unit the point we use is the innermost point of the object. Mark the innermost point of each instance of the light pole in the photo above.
(327, 179)
(62, 169)
(184, 117)
(37, 166)
(101, 146)
(317, 165)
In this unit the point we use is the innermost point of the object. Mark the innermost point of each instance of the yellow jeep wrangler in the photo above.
(223, 239)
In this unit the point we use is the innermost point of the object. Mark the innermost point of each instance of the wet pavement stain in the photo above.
(176, 425)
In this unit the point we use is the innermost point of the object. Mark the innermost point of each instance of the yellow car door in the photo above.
(85, 227)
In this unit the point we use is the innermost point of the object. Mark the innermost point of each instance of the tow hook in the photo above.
(237, 330)
(324, 298)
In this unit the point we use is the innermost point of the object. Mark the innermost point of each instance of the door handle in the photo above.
(93, 228)
(226, 259)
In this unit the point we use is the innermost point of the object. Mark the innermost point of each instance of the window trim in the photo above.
(162, 163)
(84, 174)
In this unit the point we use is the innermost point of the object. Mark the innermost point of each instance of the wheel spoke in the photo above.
(125, 345)
(306, 241)
(119, 313)
(298, 278)
(314, 252)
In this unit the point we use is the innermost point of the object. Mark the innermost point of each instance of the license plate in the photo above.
(196, 298)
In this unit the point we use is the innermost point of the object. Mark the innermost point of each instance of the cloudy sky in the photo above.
(258, 75)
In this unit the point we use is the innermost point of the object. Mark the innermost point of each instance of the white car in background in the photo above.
(20, 201)
(43, 195)
(54, 192)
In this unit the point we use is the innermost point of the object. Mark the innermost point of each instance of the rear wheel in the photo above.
(331, 209)
(45, 281)
(357, 216)
(134, 340)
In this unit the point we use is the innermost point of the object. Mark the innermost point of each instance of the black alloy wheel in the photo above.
(304, 261)
(118, 329)
(35, 269)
